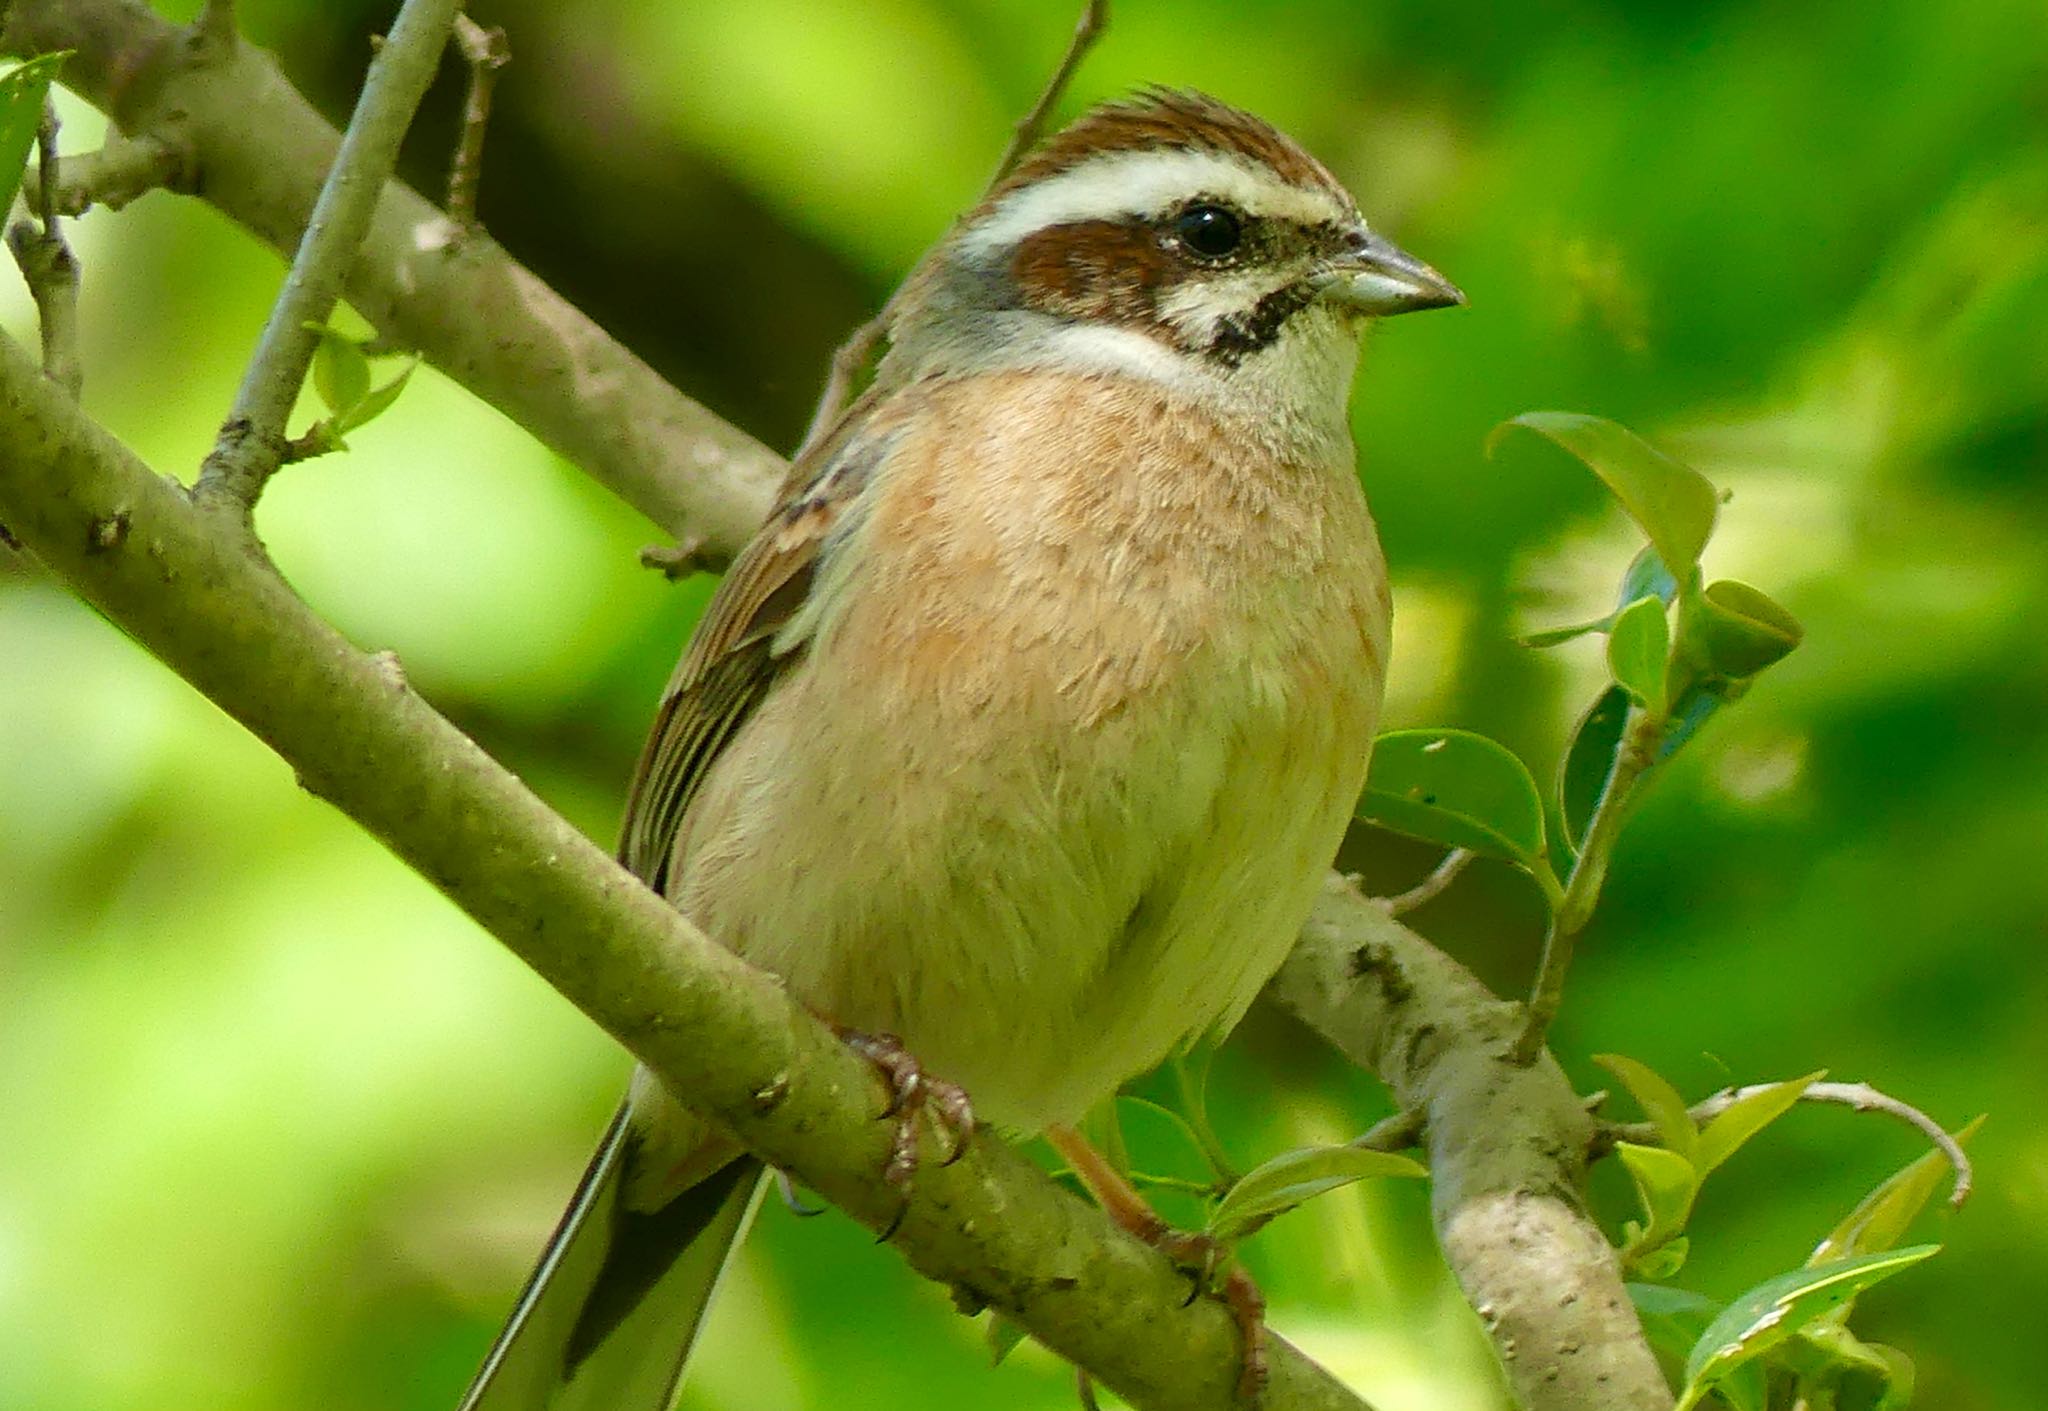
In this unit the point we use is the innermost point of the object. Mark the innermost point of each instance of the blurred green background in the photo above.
(279, 1128)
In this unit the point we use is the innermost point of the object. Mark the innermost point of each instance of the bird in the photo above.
(1019, 737)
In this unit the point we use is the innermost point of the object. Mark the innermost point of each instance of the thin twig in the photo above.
(111, 177)
(676, 561)
(1571, 910)
(49, 267)
(252, 441)
(1094, 19)
(847, 362)
(486, 51)
(1860, 1096)
(1431, 887)
(853, 355)
(215, 24)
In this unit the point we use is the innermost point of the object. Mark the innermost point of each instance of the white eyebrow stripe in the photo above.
(1118, 185)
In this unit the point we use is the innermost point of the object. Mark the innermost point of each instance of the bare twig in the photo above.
(1094, 19)
(1570, 911)
(1860, 1096)
(1429, 888)
(853, 355)
(252, 440)
(486, 51)
(111, 177)
(676, 561)
(848, 360)
(49, 267)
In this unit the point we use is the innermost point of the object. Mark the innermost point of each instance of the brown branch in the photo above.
(485, 51)
(1506, 1144)
(258, 151)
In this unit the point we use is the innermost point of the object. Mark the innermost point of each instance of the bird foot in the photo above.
(1201, 1255)
(912, 1091)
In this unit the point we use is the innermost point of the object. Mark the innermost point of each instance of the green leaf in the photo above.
(1588, 760)
(1647, 577)
(1296, 1176)
(22, 91)
(1674, 504)
(1777, 1308)
(1740, 1121)
(1826, 1353)
(378, 401)
(1735, 630)
(1666, 1184)
(1660, 1101)
(1881, 1219)
(341, 374)
(1673, 1320)
(1002, 1336)
(1638, 645)
(1455, 788)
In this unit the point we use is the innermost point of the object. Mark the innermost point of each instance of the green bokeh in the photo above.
(282, 1129)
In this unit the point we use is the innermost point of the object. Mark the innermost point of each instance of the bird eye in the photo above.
(1210, 231)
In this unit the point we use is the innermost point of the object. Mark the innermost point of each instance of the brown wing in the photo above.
(734, 657)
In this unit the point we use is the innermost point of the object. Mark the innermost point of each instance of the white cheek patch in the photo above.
(1197, 306)
(1120, 185)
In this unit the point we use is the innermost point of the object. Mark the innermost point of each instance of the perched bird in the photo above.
(1028, 724)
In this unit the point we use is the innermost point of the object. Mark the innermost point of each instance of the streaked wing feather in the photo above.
(734, 657)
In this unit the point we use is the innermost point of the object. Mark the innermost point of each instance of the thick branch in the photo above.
(713, 1028)
(1507, 1145)
(252, 441)
(256, 149)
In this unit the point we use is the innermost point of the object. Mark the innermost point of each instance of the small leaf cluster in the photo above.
(1678, 649)
(1790, 1330)
(341, 375)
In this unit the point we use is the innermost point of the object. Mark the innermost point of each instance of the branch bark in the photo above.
(257, 150)
(723, 1034)
(1507, 1146)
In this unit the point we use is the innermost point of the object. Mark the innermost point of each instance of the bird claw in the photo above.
(1202, 1255)
(911, 1091)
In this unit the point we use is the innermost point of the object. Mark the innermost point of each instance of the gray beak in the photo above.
(1377, 278)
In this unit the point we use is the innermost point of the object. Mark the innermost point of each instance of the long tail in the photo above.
(611, 1312)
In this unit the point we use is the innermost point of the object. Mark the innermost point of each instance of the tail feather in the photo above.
(613, 1308)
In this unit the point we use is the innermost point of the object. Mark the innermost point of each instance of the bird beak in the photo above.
(1377, 278)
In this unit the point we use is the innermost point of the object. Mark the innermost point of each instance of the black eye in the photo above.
(1210, 231)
